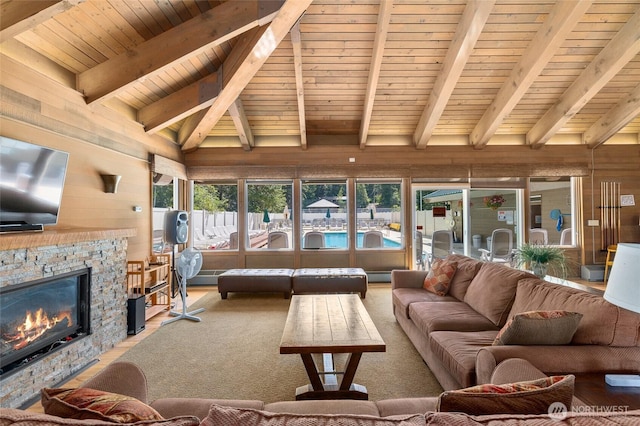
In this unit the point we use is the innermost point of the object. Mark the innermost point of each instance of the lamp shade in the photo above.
(623, 286)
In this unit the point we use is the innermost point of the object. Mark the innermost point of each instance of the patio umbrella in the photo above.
(322, 203)
(286, 212)
(371, 214)
(265, 216)
(328, 215)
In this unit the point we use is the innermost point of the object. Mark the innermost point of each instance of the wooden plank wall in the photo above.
(629, 180)
(38, 110)
(84, 202)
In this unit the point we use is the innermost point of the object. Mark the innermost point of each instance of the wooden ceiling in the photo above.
(363, 72)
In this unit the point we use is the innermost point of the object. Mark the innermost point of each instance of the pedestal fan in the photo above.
(189, 265)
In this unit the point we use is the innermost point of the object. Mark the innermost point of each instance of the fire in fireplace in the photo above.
(41, 316)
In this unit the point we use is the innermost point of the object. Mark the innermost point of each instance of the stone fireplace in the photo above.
(27, 259)
(41, 316)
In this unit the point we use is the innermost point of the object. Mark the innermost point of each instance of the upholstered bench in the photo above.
(254, 281)
(330, 280)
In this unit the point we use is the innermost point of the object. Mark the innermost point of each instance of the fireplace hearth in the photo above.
(39, 317)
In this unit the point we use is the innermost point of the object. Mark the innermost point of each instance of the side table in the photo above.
(595, 392)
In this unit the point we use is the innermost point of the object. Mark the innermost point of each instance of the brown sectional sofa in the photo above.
(454, 333)
(125, 378)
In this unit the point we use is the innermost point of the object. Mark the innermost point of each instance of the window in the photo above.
(324, 210)
(378, 205)
(269, 207)
(163, 201)
(551, 210)
(492, 209)
(214, 220)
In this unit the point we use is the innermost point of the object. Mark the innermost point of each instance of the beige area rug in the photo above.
(234, 353)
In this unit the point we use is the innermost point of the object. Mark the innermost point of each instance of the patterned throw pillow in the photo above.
(85, 403)
(222, 415)
(539, 328)
(439, 277)
(531, 397)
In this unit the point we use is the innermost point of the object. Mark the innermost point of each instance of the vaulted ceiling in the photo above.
(365, 72)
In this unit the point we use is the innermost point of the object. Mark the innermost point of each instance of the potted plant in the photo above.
(541, 259)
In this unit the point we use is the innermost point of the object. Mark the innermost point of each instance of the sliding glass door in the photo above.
(467, 216)
(437, 210)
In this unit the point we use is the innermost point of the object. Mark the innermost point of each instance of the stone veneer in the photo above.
(107, 259)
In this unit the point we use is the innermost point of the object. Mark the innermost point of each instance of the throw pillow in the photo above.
(222, 415)
(439, 277)
(531, 397)
(539, 328)
(85, 403)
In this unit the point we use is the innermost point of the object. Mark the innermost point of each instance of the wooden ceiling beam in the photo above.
(255, 54)
(297, 67)
(236, 111)
(188, 39)
(192, 128)
(614, 120)
(181, 104)
(472, 22)
(21, 16)
(541, 49)
(382, 29)
(622, 48)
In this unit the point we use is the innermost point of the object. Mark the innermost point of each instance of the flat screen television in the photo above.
(31, 184)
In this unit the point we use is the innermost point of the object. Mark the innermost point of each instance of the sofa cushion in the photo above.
(199, 407)
(531, 397)
(86, 403)
(457, 351)
(602, 323)
(439, 276)
(342, 406)
(399, 406)
(493, 289)
(447, 316)
(221, 415)
(404, 297)
(613, 418)
(466, 270)
(10, 416)
(539, 328)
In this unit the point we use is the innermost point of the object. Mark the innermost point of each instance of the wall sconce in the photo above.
(111, 183)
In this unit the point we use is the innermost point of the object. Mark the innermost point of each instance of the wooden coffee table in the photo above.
(595, 392)
(325, 325)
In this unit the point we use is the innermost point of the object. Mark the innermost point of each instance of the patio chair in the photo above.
(501, 249)
(313, 240)
(538, 236)
(278, 239)
(565, 237)
(441, 245)
(372, 239)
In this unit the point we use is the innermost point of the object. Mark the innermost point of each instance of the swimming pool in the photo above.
(339, 240)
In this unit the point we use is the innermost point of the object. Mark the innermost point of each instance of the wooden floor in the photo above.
(195, 293)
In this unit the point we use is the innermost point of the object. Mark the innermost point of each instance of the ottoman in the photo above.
(330, 280)
(255, 280)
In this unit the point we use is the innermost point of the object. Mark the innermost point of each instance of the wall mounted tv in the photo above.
(31, 184)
